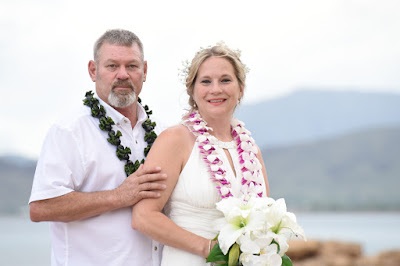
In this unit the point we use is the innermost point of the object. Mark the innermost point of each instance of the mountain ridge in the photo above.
(357, 171)
(309, 115)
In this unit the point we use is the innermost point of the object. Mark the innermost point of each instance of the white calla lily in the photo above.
(283, 225)
(240, 217)
(268, 257)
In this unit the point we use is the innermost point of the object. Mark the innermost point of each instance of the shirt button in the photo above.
(155, 248)
(136, 141)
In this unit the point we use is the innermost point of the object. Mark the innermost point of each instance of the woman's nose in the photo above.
(215, 87)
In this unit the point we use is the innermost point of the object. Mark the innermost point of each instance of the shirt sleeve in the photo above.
(59, 164)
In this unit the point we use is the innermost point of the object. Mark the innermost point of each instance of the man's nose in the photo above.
(122, 73)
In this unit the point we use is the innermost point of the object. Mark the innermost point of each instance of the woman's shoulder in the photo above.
(178, 133)
(175, 142)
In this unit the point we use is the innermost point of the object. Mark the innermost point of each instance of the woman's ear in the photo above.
(241, 92)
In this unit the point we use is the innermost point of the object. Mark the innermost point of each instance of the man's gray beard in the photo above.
(121, 100)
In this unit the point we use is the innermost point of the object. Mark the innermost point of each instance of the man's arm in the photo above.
(80, 205)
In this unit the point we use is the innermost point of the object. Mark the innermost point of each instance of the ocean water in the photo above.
(374, 231)
(24, 243)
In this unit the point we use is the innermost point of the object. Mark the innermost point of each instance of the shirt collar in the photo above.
(141, 113)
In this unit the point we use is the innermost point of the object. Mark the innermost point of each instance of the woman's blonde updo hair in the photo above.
(219, 50)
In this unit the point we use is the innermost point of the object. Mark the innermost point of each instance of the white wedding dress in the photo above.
(192, 203)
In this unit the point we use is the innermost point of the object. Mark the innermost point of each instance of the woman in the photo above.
(203, 159)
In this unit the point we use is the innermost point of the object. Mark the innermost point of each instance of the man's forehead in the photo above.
(113, 51)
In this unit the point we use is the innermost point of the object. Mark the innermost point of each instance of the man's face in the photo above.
(119, 74)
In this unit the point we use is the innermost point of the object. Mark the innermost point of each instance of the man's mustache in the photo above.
(123, 83)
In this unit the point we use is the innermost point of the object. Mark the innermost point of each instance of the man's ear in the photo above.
(92, 70)
(144, 70)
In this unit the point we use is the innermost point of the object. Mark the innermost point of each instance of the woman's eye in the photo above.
(205, 81)
(226, 80)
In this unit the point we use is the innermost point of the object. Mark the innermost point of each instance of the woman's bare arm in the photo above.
(170, 151)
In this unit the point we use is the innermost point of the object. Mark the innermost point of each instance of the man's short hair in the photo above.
(117, 37)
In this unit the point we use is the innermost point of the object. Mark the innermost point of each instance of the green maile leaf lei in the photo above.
(106, 123)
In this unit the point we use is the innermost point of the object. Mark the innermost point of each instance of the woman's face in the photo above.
(216, 90)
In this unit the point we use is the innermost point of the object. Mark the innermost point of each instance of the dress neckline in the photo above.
(226, 145)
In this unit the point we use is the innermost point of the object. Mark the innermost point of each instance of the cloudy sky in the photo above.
(45, 46)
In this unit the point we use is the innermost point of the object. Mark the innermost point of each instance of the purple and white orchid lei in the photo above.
(252, 177)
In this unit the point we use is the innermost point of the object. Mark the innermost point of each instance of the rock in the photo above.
(367, 261)
(389, 258)
(299, 249)
(309, 262)
(335, 253)
(351, 250)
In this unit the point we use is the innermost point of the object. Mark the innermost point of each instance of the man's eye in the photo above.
(132, 66)
(111, 66)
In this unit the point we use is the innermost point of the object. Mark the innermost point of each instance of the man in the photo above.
(80, 185)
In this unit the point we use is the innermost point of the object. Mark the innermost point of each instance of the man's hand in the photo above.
(142, 184)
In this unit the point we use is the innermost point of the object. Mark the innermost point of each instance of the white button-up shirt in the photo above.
(76, 156)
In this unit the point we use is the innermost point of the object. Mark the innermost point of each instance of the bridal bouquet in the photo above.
(254, 232)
